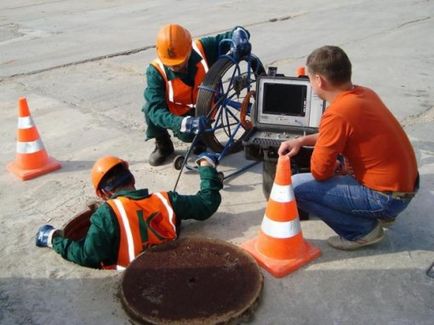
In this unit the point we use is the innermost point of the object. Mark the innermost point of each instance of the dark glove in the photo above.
(210, 157)
(241, 28)
(44, 236)
(194, 125)
(240, 42)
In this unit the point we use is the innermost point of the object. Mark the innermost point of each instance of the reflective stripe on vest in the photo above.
(175, 106)
(127, 229)
(155, 208)
(201, 54)
(168, 208)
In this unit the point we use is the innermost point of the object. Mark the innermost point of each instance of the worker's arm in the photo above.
(331, 141)
(202, 205)
(292, 146)
(211, 45)
(99, 245)
(155, 107)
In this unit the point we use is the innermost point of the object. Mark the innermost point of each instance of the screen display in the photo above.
(284, 99)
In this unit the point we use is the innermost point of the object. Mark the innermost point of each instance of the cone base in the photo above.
(281, 267)
(26, 174)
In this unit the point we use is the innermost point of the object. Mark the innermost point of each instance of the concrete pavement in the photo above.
(81, 67)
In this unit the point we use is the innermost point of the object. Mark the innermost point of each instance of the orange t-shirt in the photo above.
(359, 126)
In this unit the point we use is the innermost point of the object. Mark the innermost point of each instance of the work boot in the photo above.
(163, 149)
(371, 238)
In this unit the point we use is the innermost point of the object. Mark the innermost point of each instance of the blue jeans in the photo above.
(349, 208)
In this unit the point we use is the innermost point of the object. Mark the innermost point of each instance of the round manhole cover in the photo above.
(76, 228)
(192, 281)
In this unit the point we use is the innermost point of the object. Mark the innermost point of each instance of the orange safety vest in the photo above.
(142, 223)
(180, 97)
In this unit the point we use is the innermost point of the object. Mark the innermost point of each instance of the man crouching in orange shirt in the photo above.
(356, 130)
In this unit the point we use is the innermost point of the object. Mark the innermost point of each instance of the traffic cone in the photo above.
(300, 72)
(280, 247)
(31, 158)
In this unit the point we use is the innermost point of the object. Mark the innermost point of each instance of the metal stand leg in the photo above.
(185, 160)
(239, 171)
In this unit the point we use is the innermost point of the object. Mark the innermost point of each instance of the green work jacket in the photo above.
(102, 240)
(155, 106)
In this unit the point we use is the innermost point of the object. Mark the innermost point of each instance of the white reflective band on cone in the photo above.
(25, 122)
(280, 229)
(29, 147)
(282, 193)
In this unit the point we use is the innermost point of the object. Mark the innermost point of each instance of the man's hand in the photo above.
(194, 125)
(44, 236)
(207, 159)
(290, 147)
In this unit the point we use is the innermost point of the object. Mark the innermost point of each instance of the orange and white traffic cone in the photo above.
(300, 72)
(280, 247)
(31, 159)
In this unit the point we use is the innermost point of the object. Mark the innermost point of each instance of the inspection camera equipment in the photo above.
(285, 107)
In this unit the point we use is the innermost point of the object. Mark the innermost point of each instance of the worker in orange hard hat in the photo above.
(173, 81)
(130, 220)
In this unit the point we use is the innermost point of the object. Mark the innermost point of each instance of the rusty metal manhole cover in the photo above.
(76, 228)
(192, 281)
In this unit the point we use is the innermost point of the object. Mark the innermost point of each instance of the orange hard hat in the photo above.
(101, 167)
(173, 44)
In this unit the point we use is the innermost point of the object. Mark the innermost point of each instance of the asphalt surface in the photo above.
(81, 66)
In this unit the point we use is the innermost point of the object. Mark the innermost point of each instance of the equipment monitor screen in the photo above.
(284, 99)
(287, 101)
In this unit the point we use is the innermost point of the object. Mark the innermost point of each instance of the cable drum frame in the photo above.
(220, 97)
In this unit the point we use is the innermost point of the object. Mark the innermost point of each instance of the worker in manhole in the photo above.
(130, 220)
(363, 166)
(173, 81)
